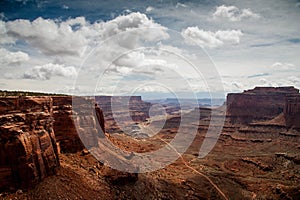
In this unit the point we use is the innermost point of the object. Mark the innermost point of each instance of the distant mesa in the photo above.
(265, 103)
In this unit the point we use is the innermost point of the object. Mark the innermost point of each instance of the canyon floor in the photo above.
(248, 162)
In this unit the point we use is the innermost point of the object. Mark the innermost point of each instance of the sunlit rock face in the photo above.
(28, 150)
(31, 129)
(260, 103)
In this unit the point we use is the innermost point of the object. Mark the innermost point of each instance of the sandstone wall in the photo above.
(30, 128)
(64, 126)
(292, 111)
(28, 151)
(261, 103)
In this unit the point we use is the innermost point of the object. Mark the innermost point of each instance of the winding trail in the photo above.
(196, 171)
(187, 165)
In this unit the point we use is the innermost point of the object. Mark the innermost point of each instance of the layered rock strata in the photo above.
(28, 150)
(64, 126)
(31, 129)
(258, 104)
(292, 111)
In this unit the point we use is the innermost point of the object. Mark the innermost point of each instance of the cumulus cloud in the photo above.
(4, 38)
(211, 39)
(138, 63)
(131, 60)
(47, 71)
(233, 13)
(49, 36)
(140, 25)
(12, 58)
(73, 36)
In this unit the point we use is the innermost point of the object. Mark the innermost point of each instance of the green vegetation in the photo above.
(5, 93)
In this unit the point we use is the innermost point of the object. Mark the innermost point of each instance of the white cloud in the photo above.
(12, 58)
(233, 13)
(211, 39)
(139, 64)
(73, 36)
(47, 71)
(48, 36)
(4, 38)
(140, 25)
(229, 37)
(201, 37)
(131, 60)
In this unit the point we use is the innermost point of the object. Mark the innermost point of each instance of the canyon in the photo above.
(257, 154)
(124, 109)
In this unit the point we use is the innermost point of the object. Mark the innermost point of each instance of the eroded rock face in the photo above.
(64, 126)
(292, 111)
(258, 104)
(30, 128)
(89, 121)
(28, 150)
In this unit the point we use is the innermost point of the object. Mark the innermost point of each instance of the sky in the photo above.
(152, 48)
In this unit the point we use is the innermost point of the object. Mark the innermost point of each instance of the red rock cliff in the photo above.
(64, 126)
(292, 111)
(260, 103)
(30, 128)
(28, 151)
